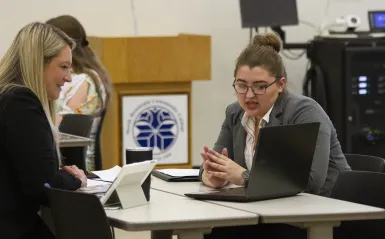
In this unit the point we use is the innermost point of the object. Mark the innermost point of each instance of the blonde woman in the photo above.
(32, 72)
(90, 90)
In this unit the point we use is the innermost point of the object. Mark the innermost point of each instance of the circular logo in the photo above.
(155, 127)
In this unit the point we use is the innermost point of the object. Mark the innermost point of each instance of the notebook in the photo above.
(177, 175)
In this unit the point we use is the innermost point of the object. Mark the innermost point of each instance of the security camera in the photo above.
(353, 21)
(350, 22)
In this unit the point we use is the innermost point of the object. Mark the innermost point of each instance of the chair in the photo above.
(80, 125)
(364, 188)
(98, 150)
(360, 162)
(78, 215)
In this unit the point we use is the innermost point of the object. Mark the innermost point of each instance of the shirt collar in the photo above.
(265, 119)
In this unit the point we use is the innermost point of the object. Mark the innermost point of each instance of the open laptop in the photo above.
(281, 165)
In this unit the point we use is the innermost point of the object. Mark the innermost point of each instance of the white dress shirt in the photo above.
(249, 124)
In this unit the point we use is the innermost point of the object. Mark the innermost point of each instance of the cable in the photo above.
(327, 8)
(292, 57)
(251, 35)
(324, 22)
(309, 24)
(134, 21)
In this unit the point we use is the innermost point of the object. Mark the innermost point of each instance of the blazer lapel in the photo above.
(276, 113)
(239, 143)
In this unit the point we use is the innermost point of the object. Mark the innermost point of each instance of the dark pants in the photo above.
(270, 231)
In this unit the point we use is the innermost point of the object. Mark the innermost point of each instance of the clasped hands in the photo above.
(220, 170)
(77, 173)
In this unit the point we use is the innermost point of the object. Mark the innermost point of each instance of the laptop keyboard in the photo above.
(68, 137)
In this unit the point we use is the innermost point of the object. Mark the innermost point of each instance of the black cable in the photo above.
(291, 57)
(251, 35)
(309, 24)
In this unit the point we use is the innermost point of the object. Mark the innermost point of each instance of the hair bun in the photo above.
(269, 39)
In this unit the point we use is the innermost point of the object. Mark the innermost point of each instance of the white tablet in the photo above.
(128, 185)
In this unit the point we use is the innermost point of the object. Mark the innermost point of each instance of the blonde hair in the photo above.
(84, 59)
(23, 65)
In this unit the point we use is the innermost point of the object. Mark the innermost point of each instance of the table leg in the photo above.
(322, 230)
(165, 234)
(192, 233)
(318, 230)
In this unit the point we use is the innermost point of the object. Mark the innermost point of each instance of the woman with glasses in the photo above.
(262, 100)
(259, 84)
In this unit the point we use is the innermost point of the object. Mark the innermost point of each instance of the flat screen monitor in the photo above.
(268, 13)
(377, 21)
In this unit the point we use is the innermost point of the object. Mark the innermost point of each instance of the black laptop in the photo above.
(281, 165)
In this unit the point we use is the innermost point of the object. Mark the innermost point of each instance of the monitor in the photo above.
(268, 13)
(377, 21)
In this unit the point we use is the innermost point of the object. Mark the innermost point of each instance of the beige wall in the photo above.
(218, 18)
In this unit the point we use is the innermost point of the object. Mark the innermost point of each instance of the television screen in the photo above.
(268, 13)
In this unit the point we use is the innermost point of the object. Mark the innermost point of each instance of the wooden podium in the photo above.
(146, 66)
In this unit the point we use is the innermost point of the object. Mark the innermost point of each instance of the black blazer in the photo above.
(27, 160)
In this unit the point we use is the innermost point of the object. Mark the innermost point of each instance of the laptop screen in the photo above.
(377, 21)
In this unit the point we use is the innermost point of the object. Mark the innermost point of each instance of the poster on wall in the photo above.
(159, 122)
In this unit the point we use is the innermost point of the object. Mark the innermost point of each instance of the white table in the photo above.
(190, 219)
(318, 214)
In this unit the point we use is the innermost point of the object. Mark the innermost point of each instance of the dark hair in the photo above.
(84, 60)
(263, 52)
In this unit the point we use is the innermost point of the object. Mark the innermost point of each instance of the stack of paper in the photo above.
(102, 181)
(108, 175)
(95, 186)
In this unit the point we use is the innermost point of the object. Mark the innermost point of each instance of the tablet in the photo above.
(127, 184)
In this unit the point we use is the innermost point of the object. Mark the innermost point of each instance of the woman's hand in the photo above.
(76, 172)
(209, 179)
(224, 168)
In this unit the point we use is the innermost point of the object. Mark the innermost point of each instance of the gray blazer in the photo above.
(291, 109)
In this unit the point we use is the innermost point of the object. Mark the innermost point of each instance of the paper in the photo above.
(108, 175)
(180, 172)
(95, 186)
(91, 183)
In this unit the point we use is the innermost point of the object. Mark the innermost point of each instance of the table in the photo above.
(188, 218)
(318, 214)
(69, 140)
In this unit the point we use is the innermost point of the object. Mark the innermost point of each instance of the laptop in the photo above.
(281, 165)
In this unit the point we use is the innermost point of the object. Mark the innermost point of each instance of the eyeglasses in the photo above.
(260, 89)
